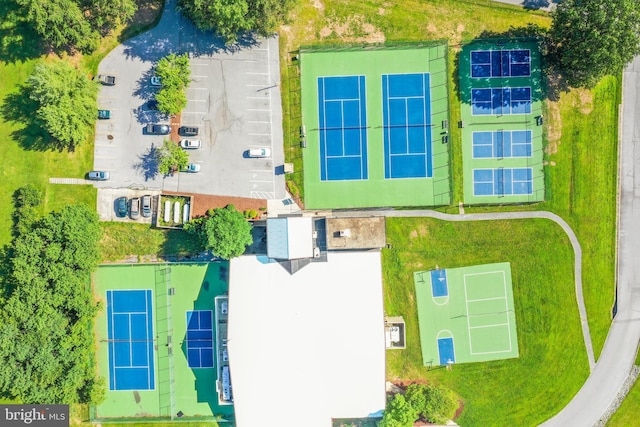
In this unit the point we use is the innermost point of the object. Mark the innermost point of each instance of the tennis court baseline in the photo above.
(343, 128)
(200, 338)
(500, 63)
(502, 143)
(406, 106)
(130, 337)
(502, 181)
(501, 101)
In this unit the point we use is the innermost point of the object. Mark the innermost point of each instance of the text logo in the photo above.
(34, 415)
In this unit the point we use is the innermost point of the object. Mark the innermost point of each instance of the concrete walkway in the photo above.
(74, 181)
(577, 250)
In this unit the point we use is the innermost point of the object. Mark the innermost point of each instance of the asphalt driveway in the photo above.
(234, 100)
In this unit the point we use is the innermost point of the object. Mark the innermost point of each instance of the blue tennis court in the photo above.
(439, 286)
(200, 339)
(446, 352)
(501, 101)
(502, 181)
(131, 343)
(406, 106)
(343, 128)
(501, 63)
(501, 144)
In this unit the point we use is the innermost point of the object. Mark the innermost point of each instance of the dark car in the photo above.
(121, 207)
(98, 175)
(188, 131)
(104, 114)
(158, 129)
(146, 206)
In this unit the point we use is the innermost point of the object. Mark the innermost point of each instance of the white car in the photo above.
(260, 152)
(190, 143)
(156, 81)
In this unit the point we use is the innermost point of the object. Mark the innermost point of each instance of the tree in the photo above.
(46, 338)
(172, 158)
(230, 18)
(224, 231)
(66, 101)
(175, 74)
(435, 404)
(399, 413)
(76, 23)
(590, 39)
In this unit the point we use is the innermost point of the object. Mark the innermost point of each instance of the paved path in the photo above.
(76, 181)
(533, 4)
(619, 352)
(577, 250)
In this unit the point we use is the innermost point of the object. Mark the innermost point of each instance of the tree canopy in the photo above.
(46, 334)
(230, 18)
(175, 73)
(172, 158)
(66, 101)
(435, 404)
(76, 23)
(224, 231)
(590, 39)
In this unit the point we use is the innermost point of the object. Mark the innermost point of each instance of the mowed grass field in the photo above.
(552, 364)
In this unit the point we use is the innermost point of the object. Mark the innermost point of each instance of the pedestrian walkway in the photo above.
(74, 181)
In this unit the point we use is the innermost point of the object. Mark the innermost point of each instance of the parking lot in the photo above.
(234, 101)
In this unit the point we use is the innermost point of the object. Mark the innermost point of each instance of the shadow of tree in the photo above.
(148, 163)
(538, 4)
(18, 107)
(18, 41)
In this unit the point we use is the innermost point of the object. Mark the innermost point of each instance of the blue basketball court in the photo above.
(343, 128)
(501, 144)
(501, 63)
(131, 341)
(439, 286)
(502, 181)
(406, 113)
(200, 339)
(446, 353)
(501, 101)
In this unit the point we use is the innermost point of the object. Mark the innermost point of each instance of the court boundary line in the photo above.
(493, 182)
(501, 98)
(493, 133)
(490, 64)
(199, 330)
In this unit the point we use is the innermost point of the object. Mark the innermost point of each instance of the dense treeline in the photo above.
(46, 320)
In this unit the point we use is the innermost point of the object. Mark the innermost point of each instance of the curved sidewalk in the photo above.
(577, 250)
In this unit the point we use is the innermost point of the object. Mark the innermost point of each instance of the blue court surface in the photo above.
(445, 351)
(439, 286)
(200, 339)
(502, 181)
(406, 113)
(501, 101)
(131, 343)
(501, 144)
(343, 128)
(501, 63)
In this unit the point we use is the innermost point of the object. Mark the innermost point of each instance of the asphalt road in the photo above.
(234, 100)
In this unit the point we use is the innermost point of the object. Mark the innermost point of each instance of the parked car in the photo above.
(106, 79)
(104, 114)
(158, 129)
(193, 167)
(260, 152)
(156, 81)
(146, 206)
(152, 104)
(134, 210)
(98, 175)
(188, 131)
(121, 207)
(190, 143)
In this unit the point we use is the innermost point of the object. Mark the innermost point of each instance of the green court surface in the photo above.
(178, 388)
(502, 148)
(389, 142)
(466, 314)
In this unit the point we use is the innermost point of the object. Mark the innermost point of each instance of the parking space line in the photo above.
(200, 77)
(256, 97)
(256, 85)
(258, 109)
(258, 180)
(259, 74)
(259, 134)
(254, 121)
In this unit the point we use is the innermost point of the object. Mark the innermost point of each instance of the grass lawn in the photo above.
(627, 414)
(552, 364)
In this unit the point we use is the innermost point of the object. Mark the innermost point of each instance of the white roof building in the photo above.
(290, 238)
(309, 347)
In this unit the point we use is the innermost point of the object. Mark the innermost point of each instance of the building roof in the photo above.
(308, 347)
(290, 238)
(357, 233)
